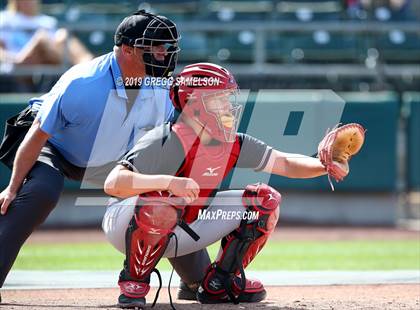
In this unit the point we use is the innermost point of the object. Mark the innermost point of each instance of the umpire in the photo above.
(90, 118)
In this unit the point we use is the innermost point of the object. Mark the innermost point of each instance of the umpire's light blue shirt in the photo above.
(86, 113)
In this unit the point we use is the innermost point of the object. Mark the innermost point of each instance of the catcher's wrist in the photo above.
(323, 168)
(167, 181)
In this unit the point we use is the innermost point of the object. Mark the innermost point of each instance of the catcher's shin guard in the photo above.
(147, 237)
(225, 279)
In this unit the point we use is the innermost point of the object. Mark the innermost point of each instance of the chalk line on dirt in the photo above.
(23, 279)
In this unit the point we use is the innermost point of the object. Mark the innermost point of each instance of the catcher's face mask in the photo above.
(222, 106)
(208, 94)
(160, 46)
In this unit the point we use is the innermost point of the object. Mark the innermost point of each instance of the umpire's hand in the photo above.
(26, 156)
(6, 198)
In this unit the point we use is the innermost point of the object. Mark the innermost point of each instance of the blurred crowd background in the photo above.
(348, 45)
(366, 50)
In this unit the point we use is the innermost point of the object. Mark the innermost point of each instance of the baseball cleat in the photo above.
(212, 290)
(133, 294)
(126, 302)
(188, 291)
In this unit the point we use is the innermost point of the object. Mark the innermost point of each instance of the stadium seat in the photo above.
(178, 10)
(193, 47)
(88, 11)
(306, 11)
(319, 46)
(98, 42)
(398, 47)
(231, 46)
(226, 11)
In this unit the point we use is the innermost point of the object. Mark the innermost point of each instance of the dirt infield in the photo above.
(383, 296)
(287, 297)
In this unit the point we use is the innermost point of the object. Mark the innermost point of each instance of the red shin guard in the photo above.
(147, 237)
(239, 248)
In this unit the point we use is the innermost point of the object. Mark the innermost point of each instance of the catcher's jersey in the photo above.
(176, 150)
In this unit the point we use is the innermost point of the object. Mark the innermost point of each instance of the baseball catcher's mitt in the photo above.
(337, 147)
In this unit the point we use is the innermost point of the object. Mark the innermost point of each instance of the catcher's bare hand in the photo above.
(338, 146)
(186, 188)
(6, 198)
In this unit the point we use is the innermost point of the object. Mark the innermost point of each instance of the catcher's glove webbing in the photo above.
(337, 147)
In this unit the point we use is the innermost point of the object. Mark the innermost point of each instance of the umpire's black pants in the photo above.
(38, 196)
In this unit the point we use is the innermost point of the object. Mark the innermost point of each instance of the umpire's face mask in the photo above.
(160, 47)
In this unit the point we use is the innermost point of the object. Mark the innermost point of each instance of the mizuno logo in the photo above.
(154, 231)
(211, 172)
(214, 284)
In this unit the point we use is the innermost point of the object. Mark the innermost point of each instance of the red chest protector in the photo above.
(208, 165)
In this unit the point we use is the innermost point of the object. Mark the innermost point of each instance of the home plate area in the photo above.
(285, 290)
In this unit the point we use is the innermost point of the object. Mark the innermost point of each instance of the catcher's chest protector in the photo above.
(208, 165)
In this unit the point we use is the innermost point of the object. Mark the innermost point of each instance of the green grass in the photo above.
(298, 255)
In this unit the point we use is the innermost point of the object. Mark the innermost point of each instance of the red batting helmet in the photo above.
(208, 93)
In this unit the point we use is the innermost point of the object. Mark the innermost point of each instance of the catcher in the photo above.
(174, 172)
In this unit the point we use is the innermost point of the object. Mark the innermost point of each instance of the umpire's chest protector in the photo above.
(208, 165)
